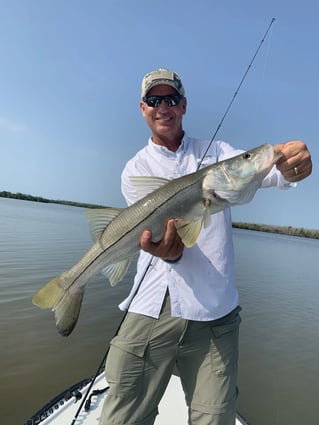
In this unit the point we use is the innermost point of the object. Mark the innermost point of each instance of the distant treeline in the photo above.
(286, 230)
(24, 197)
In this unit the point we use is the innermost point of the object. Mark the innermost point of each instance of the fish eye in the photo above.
(246, 155)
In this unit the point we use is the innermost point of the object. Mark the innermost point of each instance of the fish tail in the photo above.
(65, 303)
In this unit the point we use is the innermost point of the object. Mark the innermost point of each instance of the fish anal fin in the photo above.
(65, 303)
(188, 230)
(116, 272)
(99, 219)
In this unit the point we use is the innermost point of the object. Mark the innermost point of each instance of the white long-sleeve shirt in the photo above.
(202, 283)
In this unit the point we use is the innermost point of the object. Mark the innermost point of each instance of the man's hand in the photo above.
(170, 247)
(295, 163)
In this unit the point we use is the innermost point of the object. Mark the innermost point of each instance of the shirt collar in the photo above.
(162, 150)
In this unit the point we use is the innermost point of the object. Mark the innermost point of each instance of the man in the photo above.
(183, 311)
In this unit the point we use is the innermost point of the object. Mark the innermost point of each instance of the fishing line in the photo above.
(235, 94)
(261, 85)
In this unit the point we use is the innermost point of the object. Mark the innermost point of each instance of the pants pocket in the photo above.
(224, 344)
(126, 359)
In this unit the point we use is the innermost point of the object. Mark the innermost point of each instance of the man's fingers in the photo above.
(170, 247)
(146, 240)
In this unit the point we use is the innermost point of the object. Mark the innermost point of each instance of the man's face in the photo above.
(164, 121)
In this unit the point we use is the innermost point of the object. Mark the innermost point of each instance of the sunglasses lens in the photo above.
(150, 101)
(155, 101)
(173, 99)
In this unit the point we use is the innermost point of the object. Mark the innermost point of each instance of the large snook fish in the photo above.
(190, 199)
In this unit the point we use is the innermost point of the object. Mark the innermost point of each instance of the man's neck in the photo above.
(171, 143)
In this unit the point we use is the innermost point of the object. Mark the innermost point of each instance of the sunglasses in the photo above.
(169, 99)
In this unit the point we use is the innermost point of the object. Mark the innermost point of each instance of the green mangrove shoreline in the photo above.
(24, 197)
(285, 230)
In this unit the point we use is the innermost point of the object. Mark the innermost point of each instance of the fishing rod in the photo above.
(151, 259)
(235, 94)
(86, 399)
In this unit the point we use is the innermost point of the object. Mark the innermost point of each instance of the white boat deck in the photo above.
(172, 409)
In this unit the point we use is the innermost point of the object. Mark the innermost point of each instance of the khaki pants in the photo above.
(145, 353)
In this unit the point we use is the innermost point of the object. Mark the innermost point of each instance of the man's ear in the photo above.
(184, 104)
(142, 108)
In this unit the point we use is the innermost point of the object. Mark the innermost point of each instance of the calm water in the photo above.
(278, 282)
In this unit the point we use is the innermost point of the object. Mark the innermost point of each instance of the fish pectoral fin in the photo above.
(116, 272)
(207, 217)
(190, 226)
(188, 230)
(99, 219)
(144, 185)
(65, 304)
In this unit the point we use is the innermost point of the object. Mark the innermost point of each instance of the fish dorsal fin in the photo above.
(99, 219)
(144, 185)
(116, 272)
(189, 228)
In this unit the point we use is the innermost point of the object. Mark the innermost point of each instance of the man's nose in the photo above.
(163, 105)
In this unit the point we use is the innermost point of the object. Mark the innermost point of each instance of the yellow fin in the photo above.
(116, 272)
(65, 304)
(190, 226)
(188, 230)
(99, 219)
(49, 295)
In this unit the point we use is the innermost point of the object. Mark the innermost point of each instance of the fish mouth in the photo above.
(271, 159)
(277, 155)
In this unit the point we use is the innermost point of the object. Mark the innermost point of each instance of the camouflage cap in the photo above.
(162, 76)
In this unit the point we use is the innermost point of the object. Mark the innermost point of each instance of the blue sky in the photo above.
(70, 80)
